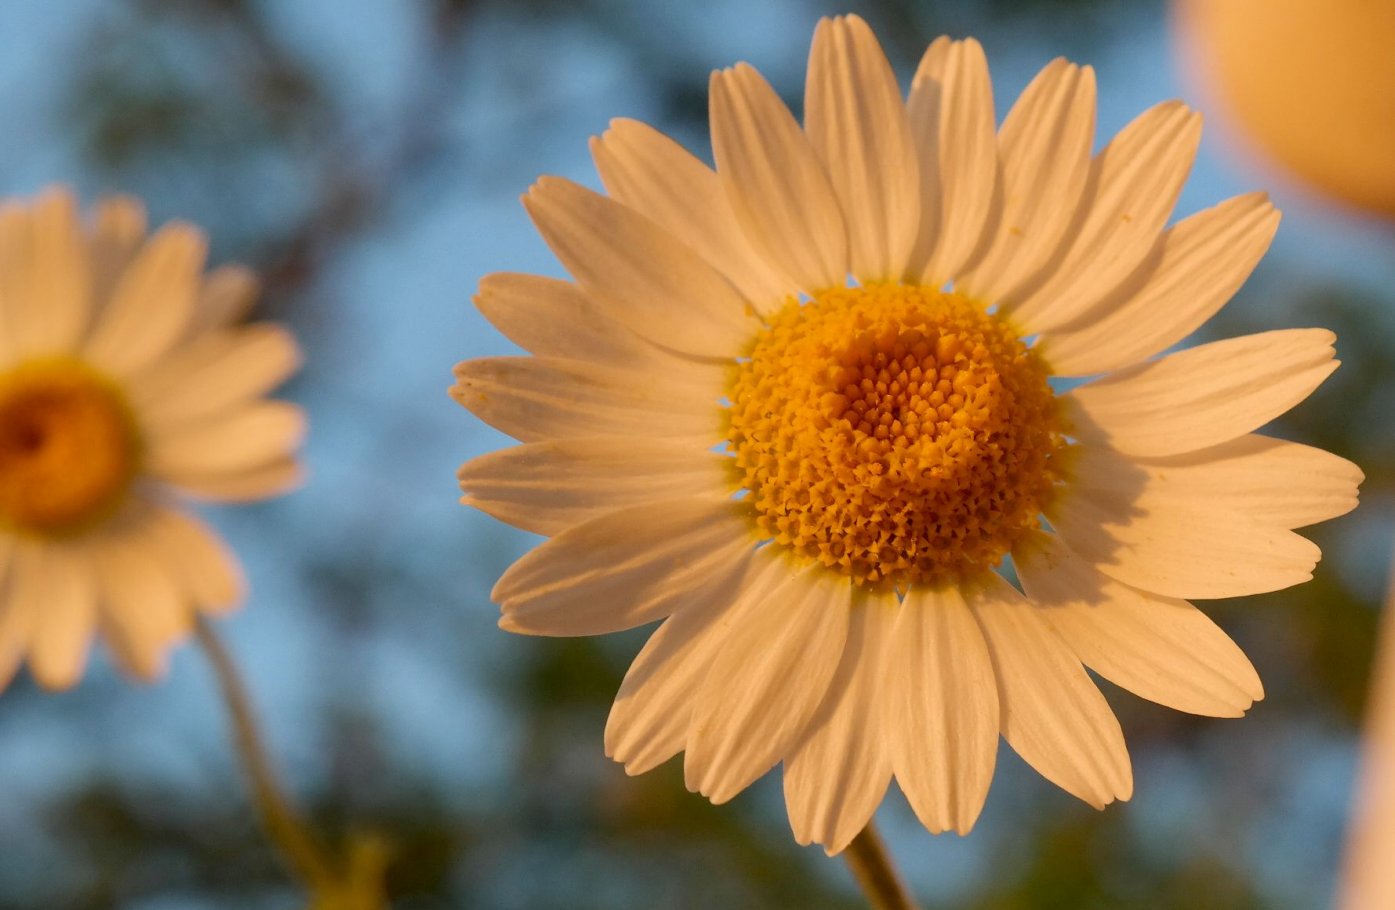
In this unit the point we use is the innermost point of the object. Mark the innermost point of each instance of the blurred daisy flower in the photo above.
(801, 408)
(124, 383)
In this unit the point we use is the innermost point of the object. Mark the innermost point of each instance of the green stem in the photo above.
(307, 857)
(871, 866)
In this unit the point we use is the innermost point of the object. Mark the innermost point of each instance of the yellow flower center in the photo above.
(897, 434)
(69, 447)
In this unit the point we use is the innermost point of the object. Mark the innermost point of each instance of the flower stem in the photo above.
(303, 851)
(871, 866)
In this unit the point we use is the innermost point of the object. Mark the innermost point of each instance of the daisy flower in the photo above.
(802, 409)
(123, 384)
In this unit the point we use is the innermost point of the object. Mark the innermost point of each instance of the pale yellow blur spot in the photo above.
(1311, 84)
(1368, 875)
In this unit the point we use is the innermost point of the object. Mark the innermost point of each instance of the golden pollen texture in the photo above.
(68, 447)
(897, 434)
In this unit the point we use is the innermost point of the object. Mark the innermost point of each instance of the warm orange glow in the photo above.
(1311, 84)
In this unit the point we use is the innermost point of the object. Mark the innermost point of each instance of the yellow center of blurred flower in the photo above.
(69, 447)
(897, 434)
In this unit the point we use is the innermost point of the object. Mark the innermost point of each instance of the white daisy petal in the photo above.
(152, 302)
(1052, 714)
(196, 557)
(8, 547)
(1272, 482)
(644, 276)
(547, 487)
(226, 296)
(649, 721)
(271, 479)
(536, 398)
(1044, 148)
(11, 656)
(65, 612)
(117, 231)
(45, 280)
(1133, 187)
(1159, 648)
(554, 319)
(837, 775)
(217, 372)
(857, 126)
(16, 615)
(1204, 395)
(942, 709)
(1177, 546)
(658, 178)
(230, 443)
(16, 258)
(780, 192)
(767, 680)
(951, 116)
(16, 267)
(25, 598)
(624, 569)
(62, 273)
(1200, 264)
(142, 611)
